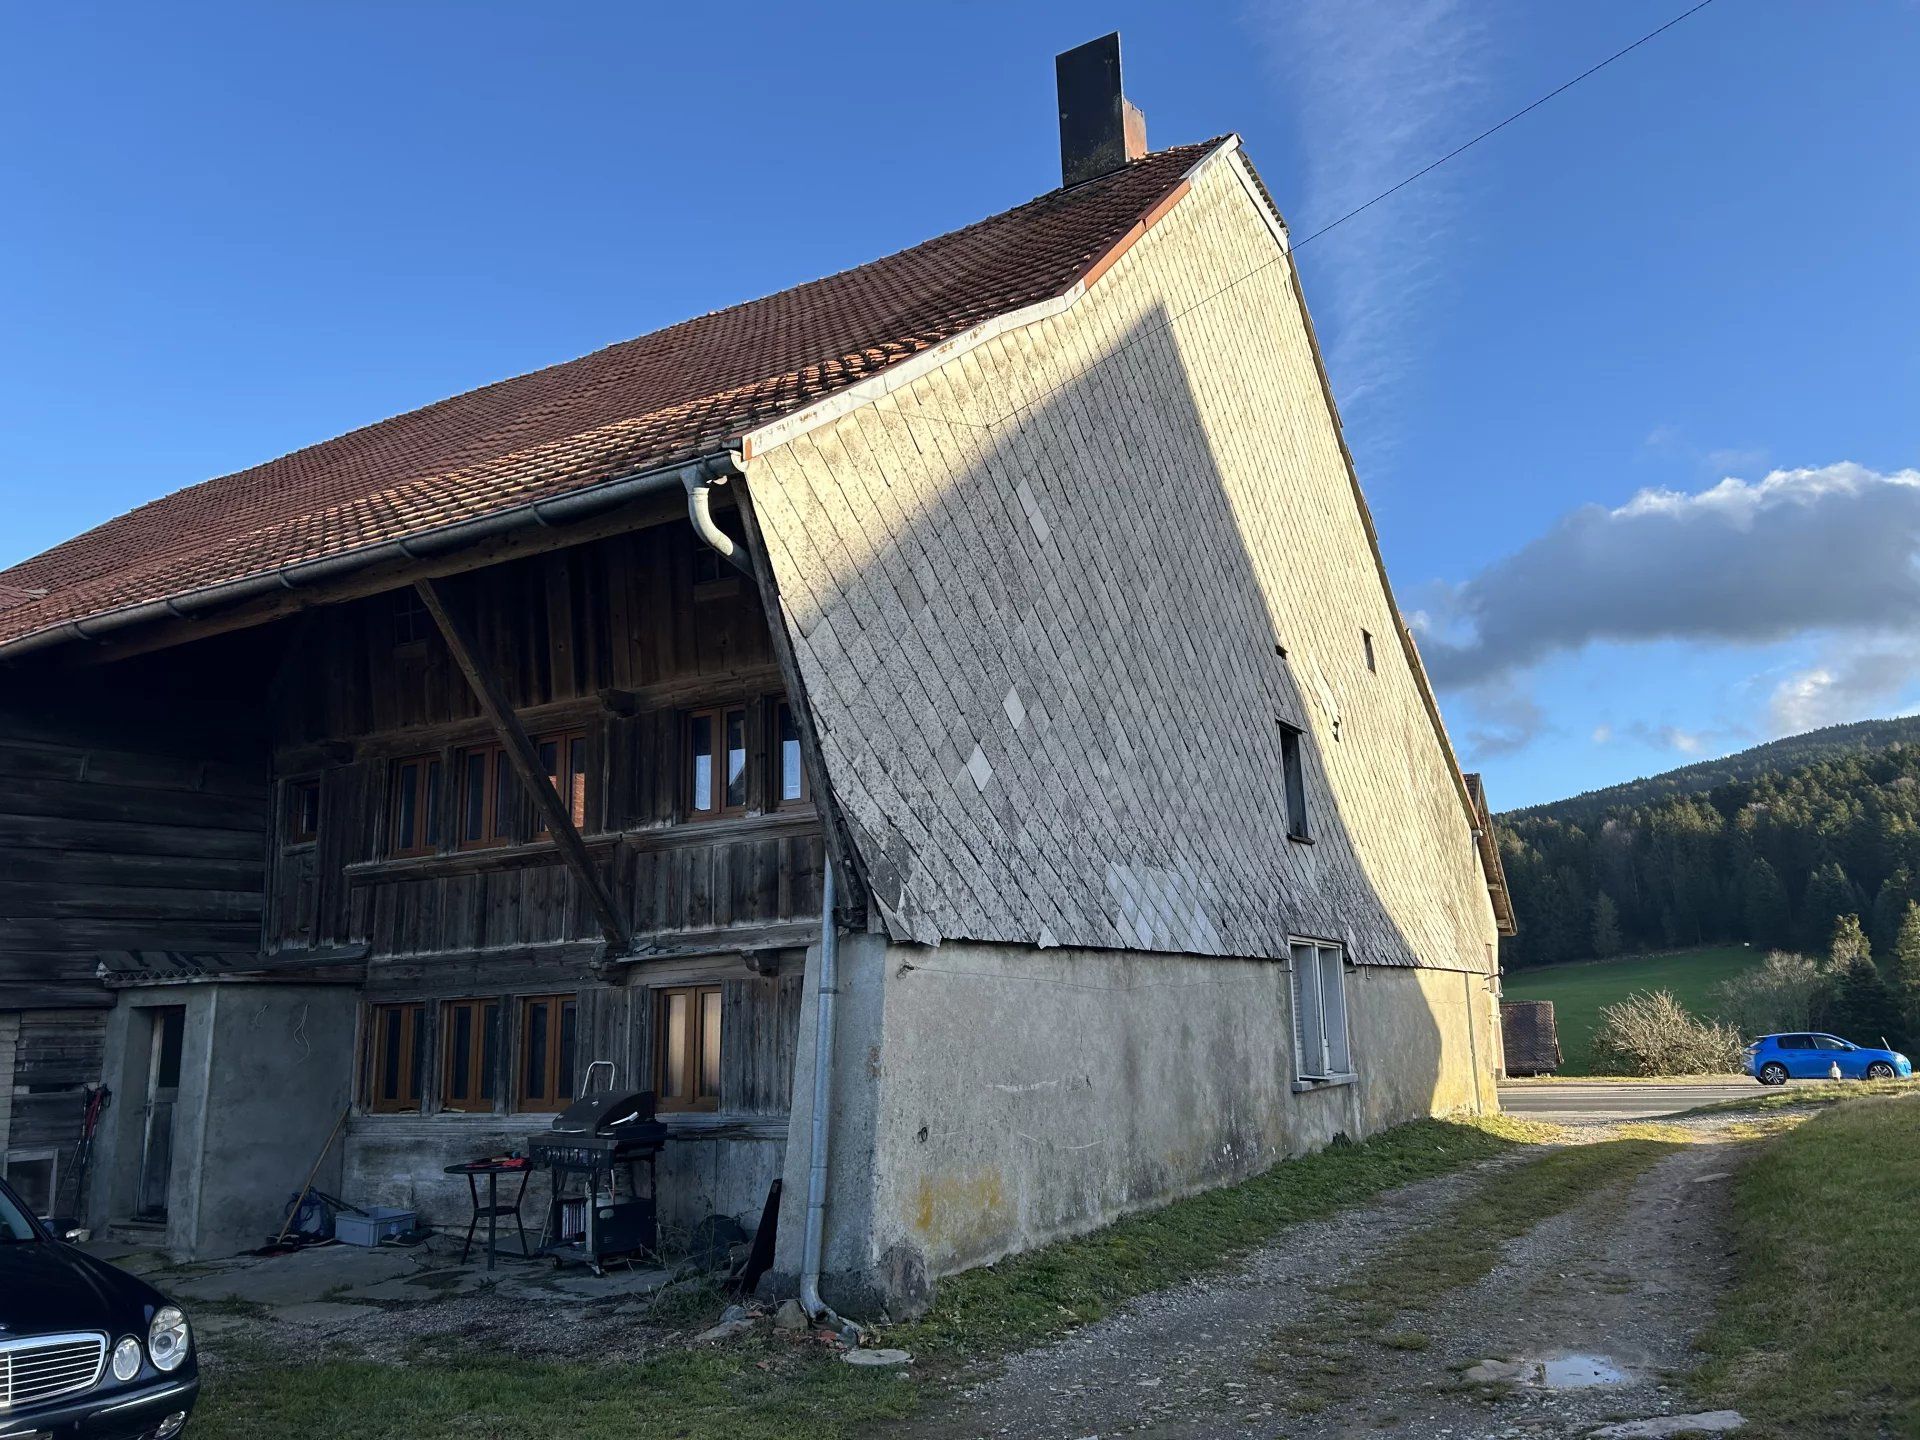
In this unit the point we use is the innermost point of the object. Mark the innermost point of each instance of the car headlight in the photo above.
(167, 1339)
(126, 1359)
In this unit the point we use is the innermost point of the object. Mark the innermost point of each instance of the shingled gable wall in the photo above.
(1035, 597)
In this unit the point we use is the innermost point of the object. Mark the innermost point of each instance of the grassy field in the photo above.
(1578, 991)
(771, 1385)
(1817, 1338)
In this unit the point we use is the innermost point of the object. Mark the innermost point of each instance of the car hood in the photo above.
(48, 1288)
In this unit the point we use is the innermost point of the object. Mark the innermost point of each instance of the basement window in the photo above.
(414, 828)
(470, 1044)
(396, 1043)
(1320, 1044)
(686, 1047)
(486, 797)
(1296, 782)
(563, 758)
(548, 1030)
(717, 769)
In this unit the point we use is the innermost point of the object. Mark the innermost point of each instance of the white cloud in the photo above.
(1377, 91)
(1602, 734)
(1855, 679)
(1802, 552)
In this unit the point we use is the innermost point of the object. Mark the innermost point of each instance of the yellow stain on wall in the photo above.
(948, 1209)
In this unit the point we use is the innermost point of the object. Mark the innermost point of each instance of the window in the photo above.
(470, 1051)
(1796, 1042)
(1320, 1012)
(793, 774)
(486, 797)
(1827, 1042)
(1366, 643)
(397, 1046)
(547, 1027)
(563, 758)
(1296, 782)
(303, 811)
(411, 623)
(717, 740)
(709, 565)
(415, 798)
(686, 1047)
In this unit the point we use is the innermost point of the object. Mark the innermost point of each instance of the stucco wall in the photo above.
(992, 1098)
(1039, 597)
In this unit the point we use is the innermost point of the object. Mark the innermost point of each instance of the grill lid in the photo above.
(605, 1113)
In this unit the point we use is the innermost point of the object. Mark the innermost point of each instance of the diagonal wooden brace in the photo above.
(526, 763)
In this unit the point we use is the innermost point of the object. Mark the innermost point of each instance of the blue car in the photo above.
(1776, 1059)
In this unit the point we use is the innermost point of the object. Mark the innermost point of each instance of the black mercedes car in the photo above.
(87, 1351)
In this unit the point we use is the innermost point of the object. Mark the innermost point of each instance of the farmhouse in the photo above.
(991, 640)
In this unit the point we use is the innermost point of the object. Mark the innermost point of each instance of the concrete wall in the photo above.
(992, 1098)
(265, 1071)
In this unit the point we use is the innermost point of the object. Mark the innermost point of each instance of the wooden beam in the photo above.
(525, 762)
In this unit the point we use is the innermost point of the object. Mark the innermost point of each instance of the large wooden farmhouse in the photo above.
(1015, 591)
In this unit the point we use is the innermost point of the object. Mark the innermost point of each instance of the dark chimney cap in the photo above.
(1099, 131)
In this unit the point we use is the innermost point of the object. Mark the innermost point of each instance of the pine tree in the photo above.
(1862, 1009)
(1890, 903)
(1905, 979)
(1830, 895)
(1606, 926)
(1849, 946)
(1765, 905)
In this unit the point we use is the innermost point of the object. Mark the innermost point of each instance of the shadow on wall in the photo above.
(1053, 700)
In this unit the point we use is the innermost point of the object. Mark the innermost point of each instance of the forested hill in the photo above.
(1777, 756)
(1771, 856)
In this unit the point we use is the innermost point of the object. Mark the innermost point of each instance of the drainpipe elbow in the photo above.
(700, 511)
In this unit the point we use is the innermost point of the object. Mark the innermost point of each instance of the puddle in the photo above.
(1578, 1372)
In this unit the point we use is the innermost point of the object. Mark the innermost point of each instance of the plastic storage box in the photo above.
(377, 1223)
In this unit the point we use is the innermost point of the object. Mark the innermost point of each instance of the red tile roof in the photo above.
(677, 394)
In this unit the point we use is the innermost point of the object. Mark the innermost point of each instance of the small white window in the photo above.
(1320, 1045)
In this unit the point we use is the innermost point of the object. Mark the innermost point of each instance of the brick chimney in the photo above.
(1100, 131)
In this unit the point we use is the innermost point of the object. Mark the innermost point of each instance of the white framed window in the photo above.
(1320, 1045)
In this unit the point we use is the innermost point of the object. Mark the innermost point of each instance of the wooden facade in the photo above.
(249, 826)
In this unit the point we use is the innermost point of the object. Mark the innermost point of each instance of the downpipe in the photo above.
(700, 483)
(811, 1251)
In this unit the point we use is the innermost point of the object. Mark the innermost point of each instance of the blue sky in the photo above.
(234, 230)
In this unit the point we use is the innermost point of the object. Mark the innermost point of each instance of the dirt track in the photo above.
(1626, 1276)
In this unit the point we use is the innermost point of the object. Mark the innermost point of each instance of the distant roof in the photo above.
(675, 395)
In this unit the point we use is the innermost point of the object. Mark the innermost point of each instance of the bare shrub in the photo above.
(1652, 1033)
(1778, 995)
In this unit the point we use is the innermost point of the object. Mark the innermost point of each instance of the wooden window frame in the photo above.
(410, 1057)
(716, 716)
(478, 1073)
(497, 809)
(558, 1085)
(1293, 767)
(295, 831)
(777, 759)
(695, 1097)
(568, 744)
(410, 623)
(1322, 1029)
(425, 805)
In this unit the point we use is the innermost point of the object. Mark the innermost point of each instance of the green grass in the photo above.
(1817, 1337)
(1578, 991)
(771, 1385)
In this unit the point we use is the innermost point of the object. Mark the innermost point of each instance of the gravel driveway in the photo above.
(1623, 1280)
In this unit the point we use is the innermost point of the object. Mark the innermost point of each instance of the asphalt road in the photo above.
(1598, 1102)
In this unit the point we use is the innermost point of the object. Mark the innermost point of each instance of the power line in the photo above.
(1294, 248)
(1495, 129)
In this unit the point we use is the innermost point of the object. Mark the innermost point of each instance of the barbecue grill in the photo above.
(596, 1142)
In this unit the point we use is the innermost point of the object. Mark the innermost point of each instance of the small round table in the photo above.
(493, 1209)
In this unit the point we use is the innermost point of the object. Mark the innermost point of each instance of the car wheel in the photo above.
(1773, 1073)
(1879, 1070)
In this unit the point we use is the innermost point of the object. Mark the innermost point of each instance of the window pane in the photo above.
(710, 1044)
(791, 784)
(736, 759)
(473, 802)
(673, 1079)
(502, 797)
(1296, 783)
(1307, 1031)
(431, 820)
(489, 1048)
(703, 762)
(576, 791)
(460, 1052)
(1333, 1005)
(416, 1052)
(534, 1083)
(406, 797)
(563, 1067)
